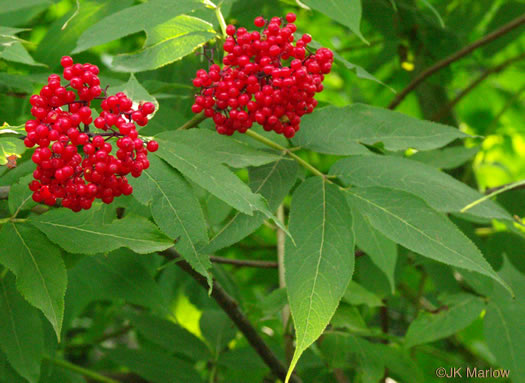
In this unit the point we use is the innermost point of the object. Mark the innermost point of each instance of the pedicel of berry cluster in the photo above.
(73, 154)
(265, 79)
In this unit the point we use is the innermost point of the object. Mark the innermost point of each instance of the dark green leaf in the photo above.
(409, 221)
(439, 190)
(340, 131)
(273, 182)
(40, 272)
(320, 265)
(76, 233)
(20, 331)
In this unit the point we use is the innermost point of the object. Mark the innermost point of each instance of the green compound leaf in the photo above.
(76, 233)
(409, 221)
(166, 43)
(20, 331)
(273, 181)
(462, 310)
(176, 210)
(340, 131)
(319, 267)
(40, 271)
(441, 191)
(135, 19)
(345, 12)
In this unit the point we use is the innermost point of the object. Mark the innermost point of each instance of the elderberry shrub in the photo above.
(265, 79)
(78, 166)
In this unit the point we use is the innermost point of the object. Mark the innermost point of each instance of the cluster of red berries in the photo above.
(265, 79)
(74, 163)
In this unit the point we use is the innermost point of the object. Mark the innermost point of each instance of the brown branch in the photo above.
(244, 262)
(231, 308)
(446, 108)
(517, 22)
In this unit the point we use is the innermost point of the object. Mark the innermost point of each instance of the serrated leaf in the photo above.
(75, 233)
(273, 182)
(170, 336)
(207, 172)
(40, 271)
(155, 366)
(136, 92)
(10, 146)
(217, 328)
(462, 309)
(340, 131)
(381, 250)
(8, 35)
(356, 294)
(17, 53)
(503, 324)
(58, 41)
(138, 18)
(166, 43)
(409, 221)
(320, 266)
(7, 373)
(20, 331)
(20, 195)
(345, 12)
(447, 158)
(227, 150)
(176, 210)
(441, 191)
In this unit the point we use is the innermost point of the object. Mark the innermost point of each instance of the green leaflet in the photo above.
(320, 266)
(345, 12)
(273, 181)
(176, 210)
(20, 195)
(462, 310)
(75, 232)
(40, 271)
(205, 171)
(409, 221)
(441, 191)
(20, 331)
(356, 294)
(351, 126)
(166, 43)
(58, 41)
(381, 250)
(134, 19)
(227, 150)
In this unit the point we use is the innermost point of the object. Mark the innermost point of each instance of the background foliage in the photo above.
(385, 277)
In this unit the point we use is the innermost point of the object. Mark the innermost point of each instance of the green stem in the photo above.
(483, 199)
(196, 120)
(80, 370)
(275, 145)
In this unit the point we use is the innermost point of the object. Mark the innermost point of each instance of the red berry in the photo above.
(152, 146)
(66, 61)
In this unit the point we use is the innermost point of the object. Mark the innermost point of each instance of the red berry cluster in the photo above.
(74, 163)
(265, 79)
